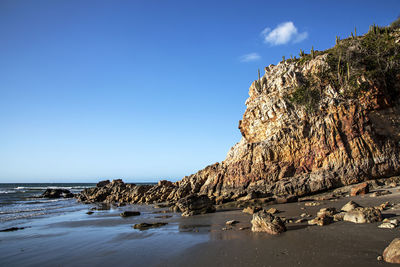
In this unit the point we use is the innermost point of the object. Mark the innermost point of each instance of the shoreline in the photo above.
(105, 238)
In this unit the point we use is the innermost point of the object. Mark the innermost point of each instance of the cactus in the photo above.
(301, 53)
(258, 75)
(352, 35)
(283, 58)
(338, 66)
(348, 71)
(337, 39)
(355, 32)
(312, 52)
(291, 56)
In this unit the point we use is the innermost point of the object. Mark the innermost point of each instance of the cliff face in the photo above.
(328, 119)
(344, 130)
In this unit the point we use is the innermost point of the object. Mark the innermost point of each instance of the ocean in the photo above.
(19, 202)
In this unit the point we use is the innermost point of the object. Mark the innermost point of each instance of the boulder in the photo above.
(57, 193)
(391, 253)
(363, 215)
(360, 189)
(194, 204)
(266, 222)
(351, 205)
(130, 213)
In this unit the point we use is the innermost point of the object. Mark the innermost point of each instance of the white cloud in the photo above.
(250, 57)
(283, 33)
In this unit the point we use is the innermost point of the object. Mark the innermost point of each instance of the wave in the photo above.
(7, 191)
(49, 187)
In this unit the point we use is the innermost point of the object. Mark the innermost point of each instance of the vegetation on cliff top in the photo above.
(355, 65)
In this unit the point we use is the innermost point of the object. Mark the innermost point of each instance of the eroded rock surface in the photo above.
(266, 222)
(392, 252)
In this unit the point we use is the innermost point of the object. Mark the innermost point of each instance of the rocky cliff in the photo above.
(327, 119)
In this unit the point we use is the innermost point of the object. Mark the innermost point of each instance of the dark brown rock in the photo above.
(130, 213)
(145, 226)
(57, 193)
(194, 204)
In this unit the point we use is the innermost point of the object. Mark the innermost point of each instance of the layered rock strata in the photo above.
(290, 149)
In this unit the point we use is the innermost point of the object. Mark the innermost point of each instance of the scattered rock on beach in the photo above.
(321, 220)
(231, 222)
(391, 253)
(266, 222)
(360, 189)
(339, 216)
(130, 213)
(312, 204)
(273, 211)
(57, 193)
(145, 226)
(251, 209)
(389, 224)
(194, 204)
(380, 193)
(363, 215)
(89, 212)
(351, 205)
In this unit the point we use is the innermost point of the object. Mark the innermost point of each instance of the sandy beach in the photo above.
(105, 238)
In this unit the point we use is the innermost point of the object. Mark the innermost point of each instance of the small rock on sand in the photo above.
(251, 210)
(231, 222)
(312, 204)
(360, 189)
(266, 222)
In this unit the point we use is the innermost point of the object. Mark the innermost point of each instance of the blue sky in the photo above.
(144, 90)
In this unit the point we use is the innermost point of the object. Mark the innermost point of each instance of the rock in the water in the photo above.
(391, 253)
(351, 205)
(360, 189)
(194, 204)
(130, 213)
(251, 209)
(145, 226)
(266, 222)
(12, 229)
(363, 215)
(89, 212)
(57, 193)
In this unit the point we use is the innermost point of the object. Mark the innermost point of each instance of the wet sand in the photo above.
(106, 239)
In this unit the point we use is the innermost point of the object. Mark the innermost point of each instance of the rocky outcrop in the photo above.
(193, 205)
(57, 193)
(312, 124)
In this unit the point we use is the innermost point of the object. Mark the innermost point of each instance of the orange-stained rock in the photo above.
(360, 189)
